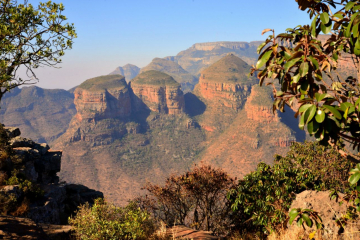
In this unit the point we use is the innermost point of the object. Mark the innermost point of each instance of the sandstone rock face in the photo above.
(102, 97)
(40, 165)
(225, 82)
(158, 92)
(129, 71)
(259, 106)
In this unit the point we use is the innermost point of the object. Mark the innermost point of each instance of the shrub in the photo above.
(264, 196)
(105, 221)
(196, 199)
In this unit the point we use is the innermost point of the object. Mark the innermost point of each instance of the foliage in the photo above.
(330, 111)
(30, 37)
(307, 216)
(264, 196)
(196, 199)
(105, 221)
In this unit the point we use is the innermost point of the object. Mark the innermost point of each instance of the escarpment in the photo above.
(102, 97)
(158, 92)
(226, 83)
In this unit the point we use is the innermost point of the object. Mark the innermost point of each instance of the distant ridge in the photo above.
(129, 71)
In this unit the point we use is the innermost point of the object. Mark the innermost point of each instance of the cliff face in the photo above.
(225, 82)
(158, 92)
(259, 106)
(94, 101)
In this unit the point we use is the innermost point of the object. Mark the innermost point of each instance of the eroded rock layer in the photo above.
(225, 82)
(158, 92)
(102, 97)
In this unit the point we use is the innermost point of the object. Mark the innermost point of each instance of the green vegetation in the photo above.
(263, 198)
(104, 82)
(105, 221)
(155, 78)
(330, 111)
(31, 37)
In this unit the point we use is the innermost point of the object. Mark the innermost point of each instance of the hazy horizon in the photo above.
(114, 33)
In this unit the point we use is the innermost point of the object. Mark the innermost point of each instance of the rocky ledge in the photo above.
(40, 165)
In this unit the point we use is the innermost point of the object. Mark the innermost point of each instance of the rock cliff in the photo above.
(226, 83)
(40, 165)
(158, 92)
(102, 97)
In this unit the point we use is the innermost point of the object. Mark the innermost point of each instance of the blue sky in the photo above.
(113, 33)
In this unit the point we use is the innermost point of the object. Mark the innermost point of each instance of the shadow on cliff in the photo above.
(289, 120)
(140, 112)
(193, 105)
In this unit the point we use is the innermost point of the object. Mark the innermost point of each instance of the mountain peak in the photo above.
(156, 78)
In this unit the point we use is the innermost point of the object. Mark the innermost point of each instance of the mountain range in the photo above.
(121, 130)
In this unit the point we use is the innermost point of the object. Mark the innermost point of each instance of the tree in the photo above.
(31, 37)
(307, 71)
(196, 198)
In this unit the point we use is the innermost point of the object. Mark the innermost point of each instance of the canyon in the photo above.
(117, 134)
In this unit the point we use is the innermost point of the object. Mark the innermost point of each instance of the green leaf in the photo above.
(320, 116)
(304, 107)
(307, 219)
(296, 78)
(348, 28)
(349, 5)
(302, 122)
(314, 62)
(290, 63)
(313, 27)
(304, 68)
(357, 47)
(260, 47)
(333, 111)
(293, 214)
(324, 17)
(326, 28)
(313, 127)
(310, 113)
(354, 178)
(265, 57)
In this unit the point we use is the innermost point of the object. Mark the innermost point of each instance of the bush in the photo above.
(263, 197)
(105, 221)
(196, 199)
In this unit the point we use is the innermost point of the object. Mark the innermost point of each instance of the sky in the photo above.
(113, 33)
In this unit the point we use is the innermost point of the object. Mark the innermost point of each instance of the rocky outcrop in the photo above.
(102, 97)
(225, 82)
(330, 211)
(40, 165)
(158, 92)
(259, 106)
(129, 71)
